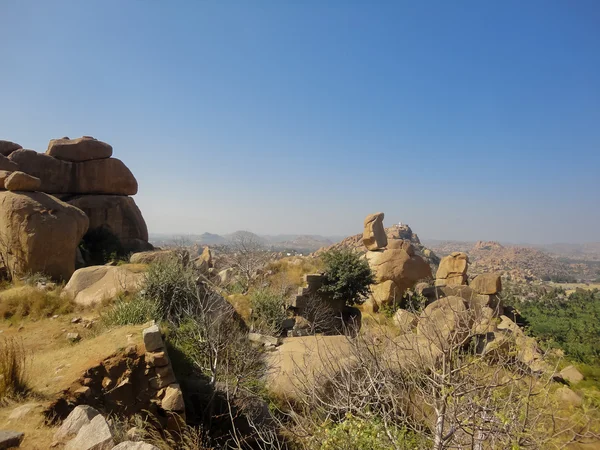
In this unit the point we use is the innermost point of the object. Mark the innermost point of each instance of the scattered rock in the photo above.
(20, 181)
(73, 337)
(571, 374)
(95, 435)
(10, 439)
(374, 236)
(80, 416)
(264, 339)
(85, 148)
(22, 411)
(568, 396)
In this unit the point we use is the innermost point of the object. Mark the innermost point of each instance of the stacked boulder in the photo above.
(452, 270)
(74, 174)
(394, 262)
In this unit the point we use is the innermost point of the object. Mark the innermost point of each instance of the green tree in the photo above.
(347, 276)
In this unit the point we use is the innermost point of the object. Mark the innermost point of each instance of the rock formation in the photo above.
(452, 270)
(80, 172)
(396, 265)
(374, 236)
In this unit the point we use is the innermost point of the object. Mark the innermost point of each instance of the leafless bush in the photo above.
(246, 254)
(437, 385)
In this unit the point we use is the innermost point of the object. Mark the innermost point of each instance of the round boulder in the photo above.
(39, 233)
(7, 147)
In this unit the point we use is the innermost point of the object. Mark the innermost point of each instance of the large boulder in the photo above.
(445, 322)
(101, 176)
(7, 164)
(152, 256)
(452, 270)
(85, 148)
(80, 416)
(117, 214)
(39, 233)
(7, 147)
(20, 181)
(487, 284)
(399, 266)
(374, 236)
(92, 285)
(96, 435)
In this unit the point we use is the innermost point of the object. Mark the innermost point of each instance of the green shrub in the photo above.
(268, 311)
(173, 286)
(131, 311)
(347, 276)
(13, 370)
(355, 433)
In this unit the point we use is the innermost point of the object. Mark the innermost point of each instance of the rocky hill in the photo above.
(518, 263)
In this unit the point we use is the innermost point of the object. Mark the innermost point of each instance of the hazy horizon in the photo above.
(469, 121)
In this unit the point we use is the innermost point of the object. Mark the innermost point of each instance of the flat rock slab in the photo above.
(10, 439)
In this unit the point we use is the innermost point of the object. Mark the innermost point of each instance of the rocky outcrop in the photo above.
(20, 181)
(83, 173)
(7, 147)
(374, 236)
(85, 148)
(39, 233)
(452, 270)
(92, 285)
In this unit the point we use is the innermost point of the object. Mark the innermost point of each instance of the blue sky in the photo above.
(468, 120)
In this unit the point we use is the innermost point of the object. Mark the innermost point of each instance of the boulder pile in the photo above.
(43, 197)
(394, 262)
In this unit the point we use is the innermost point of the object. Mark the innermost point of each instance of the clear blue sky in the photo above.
(467, 119)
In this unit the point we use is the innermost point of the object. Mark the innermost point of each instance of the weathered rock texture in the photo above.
(39, 233)
(7, 164)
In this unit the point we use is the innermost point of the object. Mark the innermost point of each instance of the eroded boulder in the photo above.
(85, 148)
(40, 233)
(374, 236)
(487, 284)
(7, 164)
(399, 266)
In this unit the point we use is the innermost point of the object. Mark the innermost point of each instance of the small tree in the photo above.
(347, 276)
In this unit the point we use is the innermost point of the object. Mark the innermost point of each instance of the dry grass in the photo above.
(20, 302)
(13, 370)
